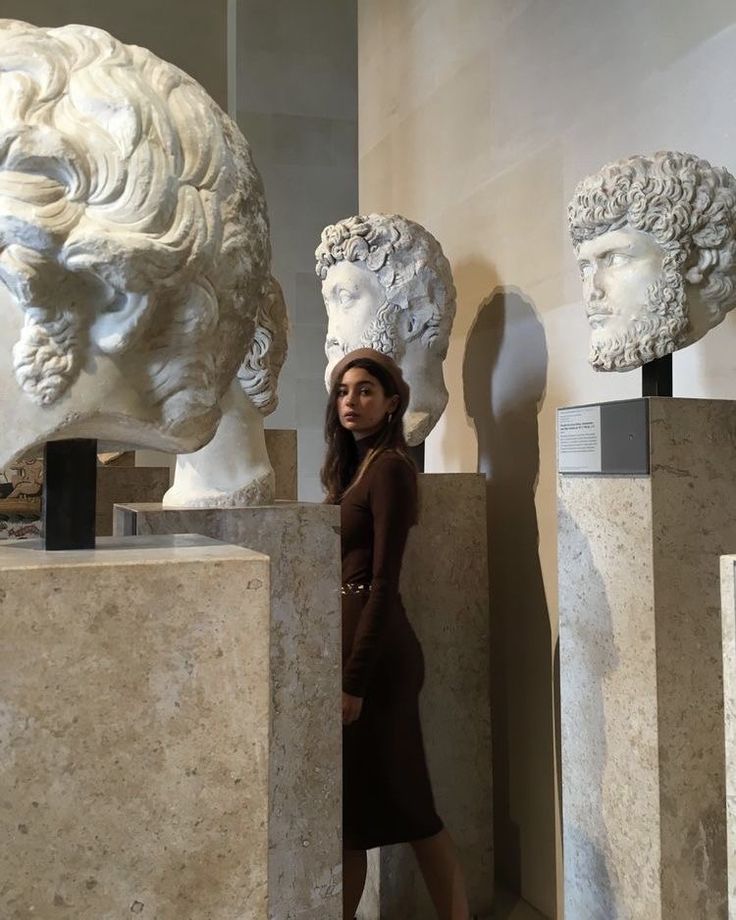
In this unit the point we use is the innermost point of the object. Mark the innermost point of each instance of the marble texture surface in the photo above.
(152, 267)
(643, 772)
(134, 721)
(445, 591)
(282, 447)
(305, 801)
(728, 624)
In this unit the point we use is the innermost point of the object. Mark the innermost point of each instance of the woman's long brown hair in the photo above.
(341, 469)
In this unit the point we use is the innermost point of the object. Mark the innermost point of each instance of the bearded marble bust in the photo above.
(134, 250)
(387, 285)
(655, 239)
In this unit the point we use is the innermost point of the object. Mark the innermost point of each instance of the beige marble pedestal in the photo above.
(134, 731)
(643, 772)
(282, 447)
(728, 620)
(445, 591)
(305, 801)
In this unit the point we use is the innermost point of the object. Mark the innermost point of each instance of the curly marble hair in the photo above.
(401, 253)
(259, 373)
(688, 206)
(118, 169)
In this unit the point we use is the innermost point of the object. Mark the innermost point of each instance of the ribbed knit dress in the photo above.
(387, 792)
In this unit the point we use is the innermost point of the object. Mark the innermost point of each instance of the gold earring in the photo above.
(390, 417)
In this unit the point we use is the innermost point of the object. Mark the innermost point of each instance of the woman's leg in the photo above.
(443, 876)
(354, 865)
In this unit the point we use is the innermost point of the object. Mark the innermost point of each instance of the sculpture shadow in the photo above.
(504, 376)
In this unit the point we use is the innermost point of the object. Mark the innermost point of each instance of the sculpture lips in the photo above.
(598, 316)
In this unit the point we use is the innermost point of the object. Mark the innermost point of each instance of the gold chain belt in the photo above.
(351, 587)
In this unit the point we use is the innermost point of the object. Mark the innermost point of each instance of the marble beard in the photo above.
(655, 239)
(387, 285)
(134, 246)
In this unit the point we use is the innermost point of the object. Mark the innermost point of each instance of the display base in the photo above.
(305, 804)
(282, 447)
(134, 730)
(643, 780)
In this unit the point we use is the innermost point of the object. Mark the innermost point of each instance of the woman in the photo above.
(387, 792)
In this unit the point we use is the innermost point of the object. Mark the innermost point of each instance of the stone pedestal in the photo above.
(305, 801)
(643, 774)
(134, 731)
(445, 591)
(728, 620)
(282, 447)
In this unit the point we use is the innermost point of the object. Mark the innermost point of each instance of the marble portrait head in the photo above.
(387, 285)
(134, 244)
(655, 239)
(234, 469)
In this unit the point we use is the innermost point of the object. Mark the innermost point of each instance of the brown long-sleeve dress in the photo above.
(387, 792)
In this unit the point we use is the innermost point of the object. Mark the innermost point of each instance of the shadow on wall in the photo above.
(504, 377)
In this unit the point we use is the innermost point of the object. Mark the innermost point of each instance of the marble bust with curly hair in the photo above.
(234, 469)
(134, 244)
(655, 239)
(387, 285)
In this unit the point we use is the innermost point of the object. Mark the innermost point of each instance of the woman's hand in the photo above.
(351, 707)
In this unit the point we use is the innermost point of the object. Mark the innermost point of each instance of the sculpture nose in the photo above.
(595, 289)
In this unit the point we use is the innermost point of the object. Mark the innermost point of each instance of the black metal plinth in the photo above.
(417, 455)
(69, 494)
(656, 377)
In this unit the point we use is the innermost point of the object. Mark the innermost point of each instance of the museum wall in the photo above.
(296, 102)
(188, 33)
(477, 118)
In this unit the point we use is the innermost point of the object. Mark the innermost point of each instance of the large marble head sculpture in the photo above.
(388, 286)
(655, 239)
(134, 247)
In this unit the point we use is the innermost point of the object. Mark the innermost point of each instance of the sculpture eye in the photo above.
(617, 258)
(344, 296)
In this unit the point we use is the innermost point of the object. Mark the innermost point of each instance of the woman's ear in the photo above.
(393, 404)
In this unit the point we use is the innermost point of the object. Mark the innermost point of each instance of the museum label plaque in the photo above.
(610, 439)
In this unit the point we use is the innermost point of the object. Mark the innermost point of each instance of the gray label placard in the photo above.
(624, 438)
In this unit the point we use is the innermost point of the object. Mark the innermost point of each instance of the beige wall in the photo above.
(476, 118)
(297, 103)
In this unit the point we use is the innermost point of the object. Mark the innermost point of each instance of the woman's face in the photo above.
(362, 405)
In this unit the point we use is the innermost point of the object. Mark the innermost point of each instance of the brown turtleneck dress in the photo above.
(387, 792)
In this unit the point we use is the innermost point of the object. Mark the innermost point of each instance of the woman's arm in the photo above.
(392, 497)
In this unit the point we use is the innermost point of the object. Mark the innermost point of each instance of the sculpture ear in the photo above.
(700, 264)
(119, 326)
(414, 317)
